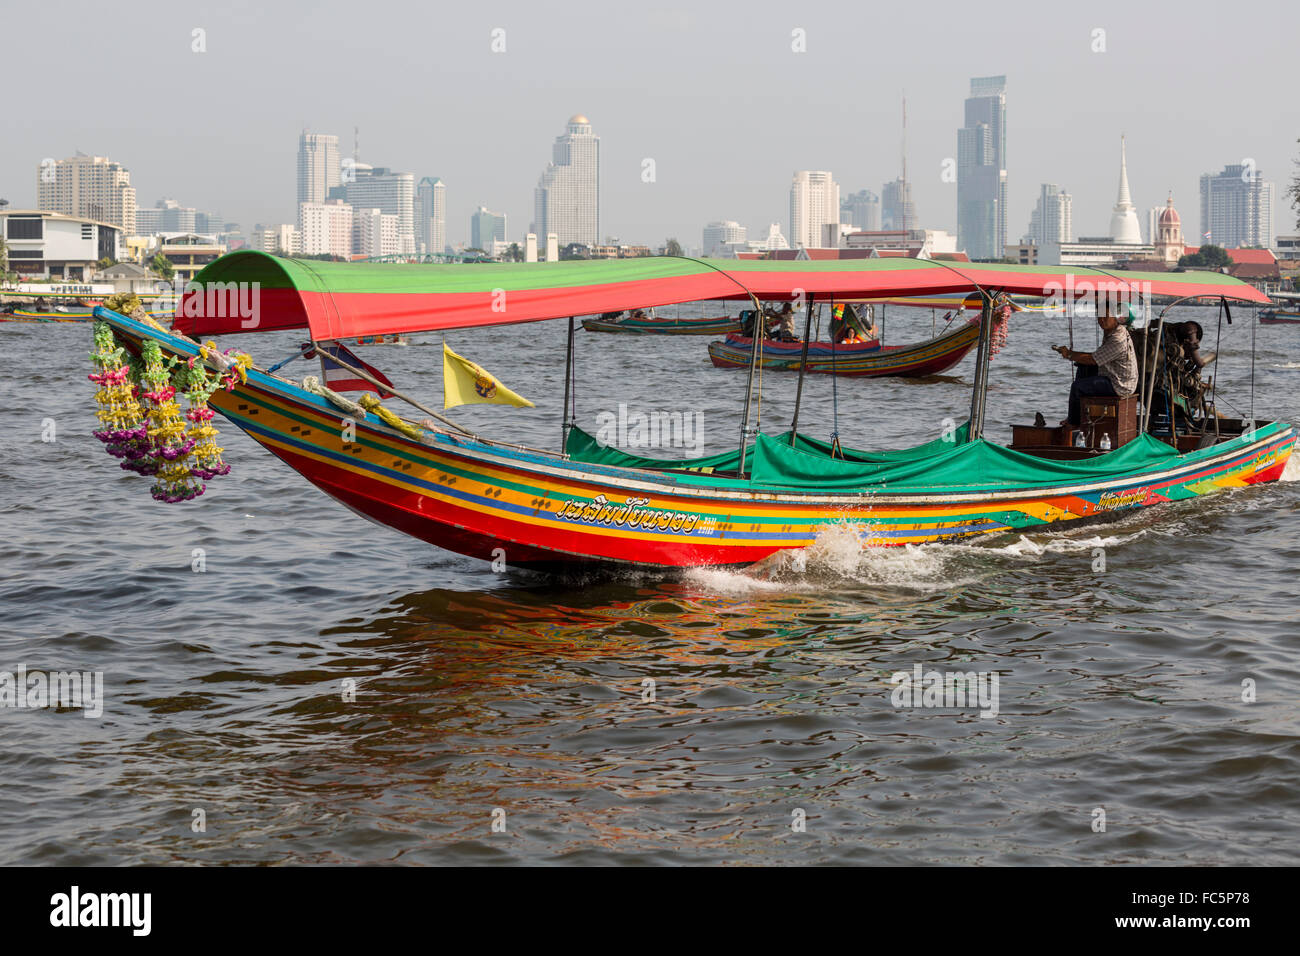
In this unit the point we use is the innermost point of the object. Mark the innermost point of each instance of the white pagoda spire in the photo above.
(1123, 220)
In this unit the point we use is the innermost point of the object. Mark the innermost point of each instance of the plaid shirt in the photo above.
(1117, 360)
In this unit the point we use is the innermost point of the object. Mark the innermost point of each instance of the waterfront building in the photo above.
(485, 227)
(326, 228)
(1024, 253)
(91, 187)
(914, 243)
(189, 252)
(723, 237)
(814, 203)
(1287, 249)
(1237, 208)
(44, 244)
(431, 216)
(128, 278)
(567, 199)
(318, 166)
(1094, 251)
(1053, 217)
(982, 169)
(861, 211)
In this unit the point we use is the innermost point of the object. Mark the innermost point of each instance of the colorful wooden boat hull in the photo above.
(923, 358)
(535, 509)
(1279, 317)
(720, 325)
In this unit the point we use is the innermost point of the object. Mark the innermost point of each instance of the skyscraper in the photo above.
(431, 215)
(1052, 219)
(1237, 208)
(861, 210)
(1124, 225)
(393, 193)
(567, 198)
(486, 226)
(318, 166)
(982, 170)
(92, 187)
(814, 204)
(897, 211)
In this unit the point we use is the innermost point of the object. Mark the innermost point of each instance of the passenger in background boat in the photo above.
(785, 330)
(847, 326)
(1187, 335)
(1115, 362)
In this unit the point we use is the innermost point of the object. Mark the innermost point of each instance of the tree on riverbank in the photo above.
(1294, 191)
(1209, 256)
(672, 248)
(162, 266)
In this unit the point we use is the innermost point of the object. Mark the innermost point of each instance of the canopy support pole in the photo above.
(757, 335)
(565, 422)
(980, 390)
(803, 368)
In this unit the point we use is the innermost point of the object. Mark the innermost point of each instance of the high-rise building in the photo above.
(93, 187)
(374, 233)
(982, 170)
(1052, 219)
(897, 211)
(326, 228)
(431, 216)
(282, 239)
(1237, 208)
(723, 237)
(1124, 226)
(814, 204)
(567, 198)
(318, 166)
(486, 226)
(861, 210)
(393, 193)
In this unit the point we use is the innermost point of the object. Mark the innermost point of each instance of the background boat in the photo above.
(1279, 317)
(859, 360)
(718, 325)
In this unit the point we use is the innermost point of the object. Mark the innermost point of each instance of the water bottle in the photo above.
(1078, 439)
(1104, 444)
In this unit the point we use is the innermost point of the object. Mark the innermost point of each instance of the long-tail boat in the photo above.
(698, 325)
(588, 505)
(1279, 317)
(857, 359)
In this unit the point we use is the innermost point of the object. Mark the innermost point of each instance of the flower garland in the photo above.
(125, 433)
(170, 448)
(141, 419)
(198, 389)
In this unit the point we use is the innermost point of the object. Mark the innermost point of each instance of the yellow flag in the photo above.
(464, 383)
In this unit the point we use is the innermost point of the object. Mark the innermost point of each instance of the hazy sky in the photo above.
(712, 92)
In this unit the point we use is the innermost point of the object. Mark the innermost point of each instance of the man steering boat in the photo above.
(1115, 363)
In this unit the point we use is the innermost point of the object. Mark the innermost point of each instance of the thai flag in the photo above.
(1206, 236)
(341, 379)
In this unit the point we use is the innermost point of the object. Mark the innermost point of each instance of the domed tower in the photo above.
(1169, 234)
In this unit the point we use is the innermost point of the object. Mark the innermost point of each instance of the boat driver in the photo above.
(1115, 362)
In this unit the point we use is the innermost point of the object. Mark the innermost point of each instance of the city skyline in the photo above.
(488, 142)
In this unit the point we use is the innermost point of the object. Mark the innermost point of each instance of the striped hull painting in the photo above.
(721, 325)
(535, 509)
(912, 361)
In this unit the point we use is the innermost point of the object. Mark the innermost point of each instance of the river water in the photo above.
(504, 717)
